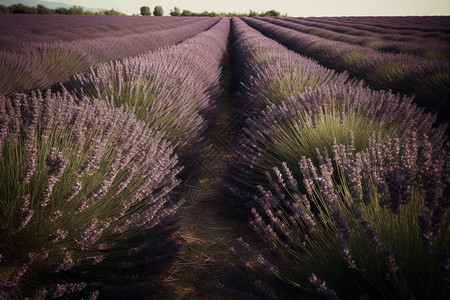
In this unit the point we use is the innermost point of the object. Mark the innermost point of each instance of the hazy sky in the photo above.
(301, 8)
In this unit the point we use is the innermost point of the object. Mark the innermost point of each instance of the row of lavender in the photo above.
(87, 178)
(428, 80)
(348, 187)
(430, 48)
(26, 65)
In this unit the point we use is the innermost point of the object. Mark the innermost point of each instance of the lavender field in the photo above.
(224, 158)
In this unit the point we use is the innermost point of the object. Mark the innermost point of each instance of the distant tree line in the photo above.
(158, 11)
(43, 10)
(270, 13)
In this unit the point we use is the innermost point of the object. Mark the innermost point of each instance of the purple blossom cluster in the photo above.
(94, 168)
(175, 90)
(402, 73)
(53, 48)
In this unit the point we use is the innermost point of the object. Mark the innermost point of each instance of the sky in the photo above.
(299, 8)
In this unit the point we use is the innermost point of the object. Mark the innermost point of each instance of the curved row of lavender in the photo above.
(427, 48)
(428, 80)
(87, 184)
(39, 65)
(364, 26)
(174, 89)
(370, 220)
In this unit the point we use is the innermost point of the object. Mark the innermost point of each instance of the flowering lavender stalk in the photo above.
(322, 287)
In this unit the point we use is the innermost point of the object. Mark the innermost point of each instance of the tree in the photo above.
(252, 13)
(158, 11)
(75, 10)
(145, 11)
(43, 10)
(22, 9)
(61, 11)
(175, 12)
(4, 9)
(271, 13)
(186, 13)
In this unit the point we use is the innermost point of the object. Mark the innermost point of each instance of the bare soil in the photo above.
(206, 229)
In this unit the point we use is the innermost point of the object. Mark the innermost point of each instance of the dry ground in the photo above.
(206, 231)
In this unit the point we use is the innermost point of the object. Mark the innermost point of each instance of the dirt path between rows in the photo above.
(206, 230)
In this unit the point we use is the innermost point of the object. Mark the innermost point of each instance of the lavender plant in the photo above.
(85, 195)
(295, 128)
(380, 231)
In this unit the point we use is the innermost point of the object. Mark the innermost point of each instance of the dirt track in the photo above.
(206, 231)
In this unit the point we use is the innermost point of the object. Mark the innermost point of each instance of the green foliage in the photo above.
(186, 13)
(145, 11)
(271, 13)
(175, 12)
(158, 11)
(22, 9)
(251, 13)
(4, 9)
(75, 10)
(110, 12)
(43, 10)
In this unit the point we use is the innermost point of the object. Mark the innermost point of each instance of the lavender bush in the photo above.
(295, 128)
(85, 191)
(380, 231)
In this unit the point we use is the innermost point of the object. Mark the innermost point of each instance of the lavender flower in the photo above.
(266, 264)
(26, 218)
(58, 235)
(322, 287)
(64, 264)
(390, 259)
